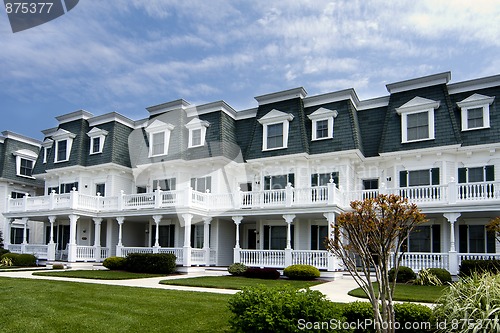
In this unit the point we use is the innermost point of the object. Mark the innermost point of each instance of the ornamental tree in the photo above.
(494, 227)
(369, 240)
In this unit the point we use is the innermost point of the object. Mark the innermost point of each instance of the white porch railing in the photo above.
(450, 193)
(85, 253)
(478, 256)
(198, 256)
(421, 260)
(128, 250)
(38, 250)
(15, 248)
(263, 258)
(318, 259)
(178, 252)
(104, 253)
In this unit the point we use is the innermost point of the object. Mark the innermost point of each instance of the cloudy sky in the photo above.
(126, 55)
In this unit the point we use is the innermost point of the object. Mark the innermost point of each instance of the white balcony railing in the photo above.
(451, 193)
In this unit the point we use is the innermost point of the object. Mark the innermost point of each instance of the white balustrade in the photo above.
(104, 253)
(38, 250)
(197, 256)
(318, 259)
(310, 196)
(263, 258)
(85, 253)
(128, 250)
(15, 248)
(478, 191)
(420, 260)
(478, 256)
(136, 201)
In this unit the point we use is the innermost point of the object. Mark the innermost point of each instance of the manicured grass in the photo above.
(237, 282)
(408, 292)
(98, 274)
(40, 306)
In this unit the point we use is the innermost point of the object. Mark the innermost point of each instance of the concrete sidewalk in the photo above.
(335, 290)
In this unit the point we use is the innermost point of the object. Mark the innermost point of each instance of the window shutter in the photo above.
(435, 176)
(436, 238)
(291, 179)
(208, 183)
(193, 229)
(462, 175)
(403, 178)
(314, 180)
(193, 183)
(267, 232)
(490, 173)
(267, 183)
(172, 236)
(335, 177)
(462, 238)
(314, 237)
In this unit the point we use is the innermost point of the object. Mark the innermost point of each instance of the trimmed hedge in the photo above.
(442, 274)
(283, 309)
(114, 263)
(468, 267)
(156, 263)
(262, 273)
(301, 272)
(405, 274)
(3, 251)
(21, 260)
(237, 269)
(405, 313)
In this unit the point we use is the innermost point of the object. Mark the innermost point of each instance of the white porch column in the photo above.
(25, 233)
(333, 262)
(97, 238)
(187, 239)
(6, 235)
(157, 220)
(51, 247)
(237, 222)
(206, 239)
(72, 237)
(452, 254)
(288, 250)
(119, 246)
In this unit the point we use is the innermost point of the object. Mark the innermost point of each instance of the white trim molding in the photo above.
(60, 136)
(94, 134)
(27, 155)
(193, 126)
(154, 129)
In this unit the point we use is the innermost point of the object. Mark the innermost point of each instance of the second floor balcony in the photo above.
(318, 196)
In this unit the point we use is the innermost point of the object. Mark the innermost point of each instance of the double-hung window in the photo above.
(322, 123)
(475, 112)
(201, 184)
(25, 161)
(97, 137)
(417, 119)
(63, 144)
(159, 137)
(197, 132)
(476, 182)
(275, 126)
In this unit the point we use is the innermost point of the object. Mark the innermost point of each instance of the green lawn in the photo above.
(408, 292)
(98, 274)
(39, 306)
(236, 282)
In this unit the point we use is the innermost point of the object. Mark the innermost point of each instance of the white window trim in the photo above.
(319, 115)
(157, 127)
(94, 134)
(47, 144)
(473, 102)
(26, 155)
(197, 124)
(272, 118)
(59, 136)
(417, 105)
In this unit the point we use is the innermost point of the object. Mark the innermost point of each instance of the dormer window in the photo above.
(47, 147)
(64, 142)
(97, 137)
(322, 123)
(25, 161)
(197, 132)
(275, 130)
(159, 137)
(417, 119)
(475, 112)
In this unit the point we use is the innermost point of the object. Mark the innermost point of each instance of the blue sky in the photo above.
(126, 55)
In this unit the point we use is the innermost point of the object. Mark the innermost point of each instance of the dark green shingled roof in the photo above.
(371, 123)
(8, 161)
(446, 129)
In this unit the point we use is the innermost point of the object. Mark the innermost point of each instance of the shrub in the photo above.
(156, 263)
(262, 273)
(3, 251)
(442, 274)
(24, 260)
(474, 298)
(237, 269)
(114, 263)
(301, 272)
(57, 266)
(468, 267)
(427, 278)
(405, 274)
(361, 312)
(283, 309)
(5, 262)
